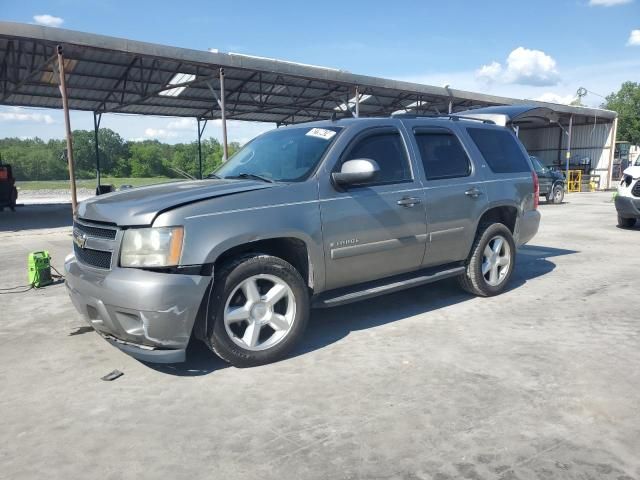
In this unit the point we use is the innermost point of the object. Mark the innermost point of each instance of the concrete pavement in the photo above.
(429, 383)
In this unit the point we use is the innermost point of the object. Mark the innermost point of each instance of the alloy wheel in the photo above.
(259, 312)
(496, 260)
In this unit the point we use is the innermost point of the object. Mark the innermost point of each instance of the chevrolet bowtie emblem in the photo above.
(80, 239)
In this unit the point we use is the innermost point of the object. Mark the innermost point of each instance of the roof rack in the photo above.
(452, 117)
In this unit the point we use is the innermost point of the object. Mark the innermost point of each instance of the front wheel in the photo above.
(260, 308)
(626, 222)
(491, 261)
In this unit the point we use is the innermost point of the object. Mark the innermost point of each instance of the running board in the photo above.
(373, 289)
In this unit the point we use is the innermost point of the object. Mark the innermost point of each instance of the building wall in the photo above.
(549, 144)
(634, 154)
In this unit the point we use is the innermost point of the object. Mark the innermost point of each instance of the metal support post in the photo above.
(223, 116)
(569, 145)
(614, 134)
(97, 118)
(67, 124)
(200, 132)
(357, 102)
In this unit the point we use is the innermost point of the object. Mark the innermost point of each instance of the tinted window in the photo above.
(442, 156)
(387, 149)
(500, 150)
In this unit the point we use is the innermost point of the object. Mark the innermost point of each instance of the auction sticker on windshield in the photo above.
(321, 133)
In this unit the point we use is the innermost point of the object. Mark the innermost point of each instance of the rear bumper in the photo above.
(628, 207)
(528, 225)
(148, 315)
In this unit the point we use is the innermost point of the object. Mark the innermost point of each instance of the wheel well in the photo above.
(505, 215)
(292, 250)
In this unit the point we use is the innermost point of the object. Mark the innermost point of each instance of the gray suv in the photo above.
(310, 215)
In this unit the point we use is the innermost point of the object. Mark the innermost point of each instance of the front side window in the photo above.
(286, 155)
(387, 150)
(442, 155)
(500, 150)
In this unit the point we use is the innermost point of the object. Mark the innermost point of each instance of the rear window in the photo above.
(500, 150)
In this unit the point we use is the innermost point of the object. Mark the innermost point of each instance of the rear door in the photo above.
(454, 193)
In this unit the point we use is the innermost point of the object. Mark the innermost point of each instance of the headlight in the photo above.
(151, 247)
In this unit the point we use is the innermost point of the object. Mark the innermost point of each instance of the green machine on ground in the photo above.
(39, 264)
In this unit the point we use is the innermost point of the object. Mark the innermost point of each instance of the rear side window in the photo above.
(387, 149)
(442, 155)
(500, 150)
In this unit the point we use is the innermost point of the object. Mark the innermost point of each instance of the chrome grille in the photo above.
(95, 258)
(94, 243)
(96, 232)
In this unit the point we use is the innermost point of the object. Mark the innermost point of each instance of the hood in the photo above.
(557, 174)
(140, 206)
(633, 171)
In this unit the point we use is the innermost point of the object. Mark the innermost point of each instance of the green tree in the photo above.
(34, 159)
(626, 102)
(147, 159)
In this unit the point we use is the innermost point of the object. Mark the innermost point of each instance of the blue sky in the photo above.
(528, 49)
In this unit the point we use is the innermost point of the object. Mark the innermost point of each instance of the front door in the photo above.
(376, 229)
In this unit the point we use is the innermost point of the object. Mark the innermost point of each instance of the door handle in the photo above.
(408, 201)
(473, 192)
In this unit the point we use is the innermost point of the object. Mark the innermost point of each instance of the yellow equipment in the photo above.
(574, 180)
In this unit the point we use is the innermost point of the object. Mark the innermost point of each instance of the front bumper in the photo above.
(628, 207)
(149, 315)
(528, 225)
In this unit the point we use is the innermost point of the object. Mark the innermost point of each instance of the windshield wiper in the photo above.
(252, 176)
(212, 175)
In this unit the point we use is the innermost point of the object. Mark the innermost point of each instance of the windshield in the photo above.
(536, 163)
(287, 155)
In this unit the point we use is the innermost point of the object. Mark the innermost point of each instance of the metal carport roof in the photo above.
(107, 74)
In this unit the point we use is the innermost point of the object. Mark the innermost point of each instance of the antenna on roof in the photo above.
(333, 116)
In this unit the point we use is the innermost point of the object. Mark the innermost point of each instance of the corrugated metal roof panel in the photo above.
(107, 74)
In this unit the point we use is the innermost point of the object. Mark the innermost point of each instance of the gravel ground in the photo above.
(541, 382)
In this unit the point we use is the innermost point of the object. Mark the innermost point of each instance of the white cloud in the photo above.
(607, 3)
(555, 98)
(490, 72)
(531, 67)
(182, 124)
(634, 38)
(602, 78)
(524, 67)
(18, 115)
(159, 133)
(48, 20)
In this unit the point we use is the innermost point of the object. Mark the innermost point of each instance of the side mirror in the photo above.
(356, 171)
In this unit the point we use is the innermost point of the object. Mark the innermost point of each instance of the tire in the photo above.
(473, 280)
(556, 195)
(247, 329)
(626, 222)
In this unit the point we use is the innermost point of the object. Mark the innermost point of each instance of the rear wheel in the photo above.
(557, 194)
(626, 222)
(260, 307)
(491, 261)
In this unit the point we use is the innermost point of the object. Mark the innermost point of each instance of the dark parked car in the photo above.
(551, 181)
